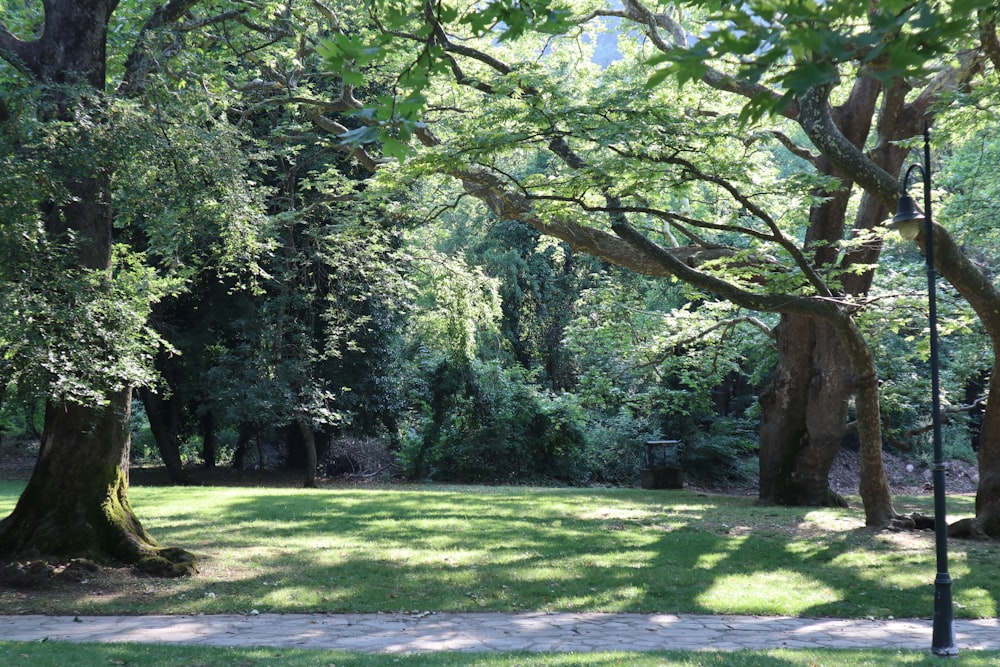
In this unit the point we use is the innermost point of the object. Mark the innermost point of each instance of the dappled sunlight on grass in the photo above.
(471, 548)
(977, 598)
(709, 561)
(831, 519)
(778, 592)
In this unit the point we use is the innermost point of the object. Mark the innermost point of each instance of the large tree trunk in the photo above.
(988, 493)
(804, 414)
(76, 501)
(804, 405)
(822, 364)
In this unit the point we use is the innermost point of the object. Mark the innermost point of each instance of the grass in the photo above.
(432, 548)
(59, 654)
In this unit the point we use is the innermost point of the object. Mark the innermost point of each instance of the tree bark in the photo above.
(309, 440)
(76, 501)
(984, 298)
(164, 416)
(876, 496)
(208, 447)
(803, 415)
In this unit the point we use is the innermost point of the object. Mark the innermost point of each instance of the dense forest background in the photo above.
(304, 275)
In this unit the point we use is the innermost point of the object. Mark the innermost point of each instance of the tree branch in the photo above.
(16, 51)
(828, 309)
(141, 61)
(360, 154)
(816, 119)
(988, 36)
(718, 80)
(792, 147)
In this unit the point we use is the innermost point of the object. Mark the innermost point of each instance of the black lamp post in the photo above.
(906, 221)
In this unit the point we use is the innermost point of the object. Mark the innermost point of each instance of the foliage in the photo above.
(484, 422)
(723, 451)
(615, 450)
(260, 256)
(795, 46)
(457, 306)
(20, 415)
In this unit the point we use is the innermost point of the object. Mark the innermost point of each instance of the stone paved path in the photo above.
(562, 632)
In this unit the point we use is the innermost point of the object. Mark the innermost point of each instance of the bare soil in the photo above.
(905, 475)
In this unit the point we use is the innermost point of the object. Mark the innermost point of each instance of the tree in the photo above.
(86, 339)
(76, 502)
(842, 76)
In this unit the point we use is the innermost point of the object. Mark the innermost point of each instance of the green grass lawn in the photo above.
(57, 654)
(431, 548)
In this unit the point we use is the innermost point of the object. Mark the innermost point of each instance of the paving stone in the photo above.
(572, 632)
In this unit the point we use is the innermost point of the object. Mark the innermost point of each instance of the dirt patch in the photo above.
(905, 475)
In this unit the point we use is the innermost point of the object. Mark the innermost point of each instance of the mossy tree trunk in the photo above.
(76, 503)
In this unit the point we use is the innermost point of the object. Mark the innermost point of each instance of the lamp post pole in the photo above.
(943, 640)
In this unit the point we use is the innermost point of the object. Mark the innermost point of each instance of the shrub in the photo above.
(615, 449)
(487, 423)
(720, 452)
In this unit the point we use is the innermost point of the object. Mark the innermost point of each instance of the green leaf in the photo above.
(392, 147)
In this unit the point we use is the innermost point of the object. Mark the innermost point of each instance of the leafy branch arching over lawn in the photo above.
(415, 549)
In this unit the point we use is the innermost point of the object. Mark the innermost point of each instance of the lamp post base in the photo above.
(943, 641)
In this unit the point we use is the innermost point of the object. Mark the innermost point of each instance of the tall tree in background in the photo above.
(845, 92)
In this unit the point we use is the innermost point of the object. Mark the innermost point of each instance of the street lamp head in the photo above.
(908, 218)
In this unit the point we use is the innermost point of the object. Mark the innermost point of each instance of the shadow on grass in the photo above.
(59, 653)
(515, 549)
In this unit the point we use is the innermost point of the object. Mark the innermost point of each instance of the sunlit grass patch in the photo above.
(773, 592)
(61, 654)
(451, 548)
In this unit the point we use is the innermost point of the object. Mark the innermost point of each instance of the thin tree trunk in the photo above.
(875, 492)
(309, 440)
(244, 434)
(208, 439)
(164, 422)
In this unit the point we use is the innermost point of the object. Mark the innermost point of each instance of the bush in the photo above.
(720, 452)
(486, 423)
(616, 451)
(956, 443)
